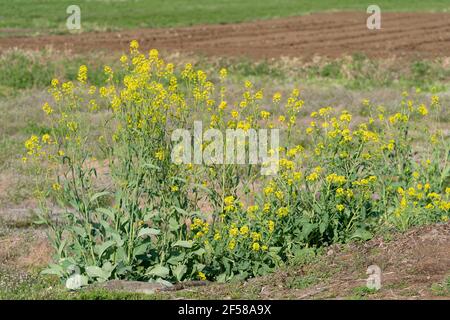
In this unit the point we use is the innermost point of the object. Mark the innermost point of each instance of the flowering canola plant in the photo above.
(131, 213)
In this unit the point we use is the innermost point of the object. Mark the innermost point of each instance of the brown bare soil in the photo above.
(323, 34)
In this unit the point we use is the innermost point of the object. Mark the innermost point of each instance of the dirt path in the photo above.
(324, 34)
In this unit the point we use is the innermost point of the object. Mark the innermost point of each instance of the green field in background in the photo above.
(50, 15)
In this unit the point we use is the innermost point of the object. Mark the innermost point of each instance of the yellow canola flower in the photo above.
(315, 174)
(336, 179)
(82, 74)
(47, 109)
(153, 54)
(234, 232)
(268, 190)
(312, 177)
(422, 109)
(201, 275)
(398, 117)
(258, 95)
(159, 155)
(123, 59)
(276, 97)
(223, 73)
(434, 196)
(434, 100)
(252, 209)
(325, 111)
(256, 236)
(46, 138)
(346, 117)
(134, 46)
(270, 225)
(32, 145)
(403, 202)
(265, 114)
(228, 201)
(243, 230)
(282, 212)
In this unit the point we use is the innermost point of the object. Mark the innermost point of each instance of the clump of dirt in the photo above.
(39, 254)
(24, 248)
(410, 263)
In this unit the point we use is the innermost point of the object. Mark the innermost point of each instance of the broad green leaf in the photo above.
(183, 243)
(141, 249)
(182, 211)
(62, 246)
(98, 195)
(54, 269)
(97, 272)
(164, 282)
(106, 226)
(275, 249)
(108, 267)
(108, 212)
(221, 278)
(323, 226)
(159, 271)
(179, 271)
(101, 248)
(151, 166)
(173, 224)
(121, 270)
(121, 254)
(148, 232)
(176, 259)
(307, 229)
(362, 234)
(79, 231)
(199, 266)
(200, 251)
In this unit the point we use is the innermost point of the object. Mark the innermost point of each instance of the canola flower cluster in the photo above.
(154, 219)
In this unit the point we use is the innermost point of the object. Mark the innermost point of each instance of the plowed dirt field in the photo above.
(324, 34)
